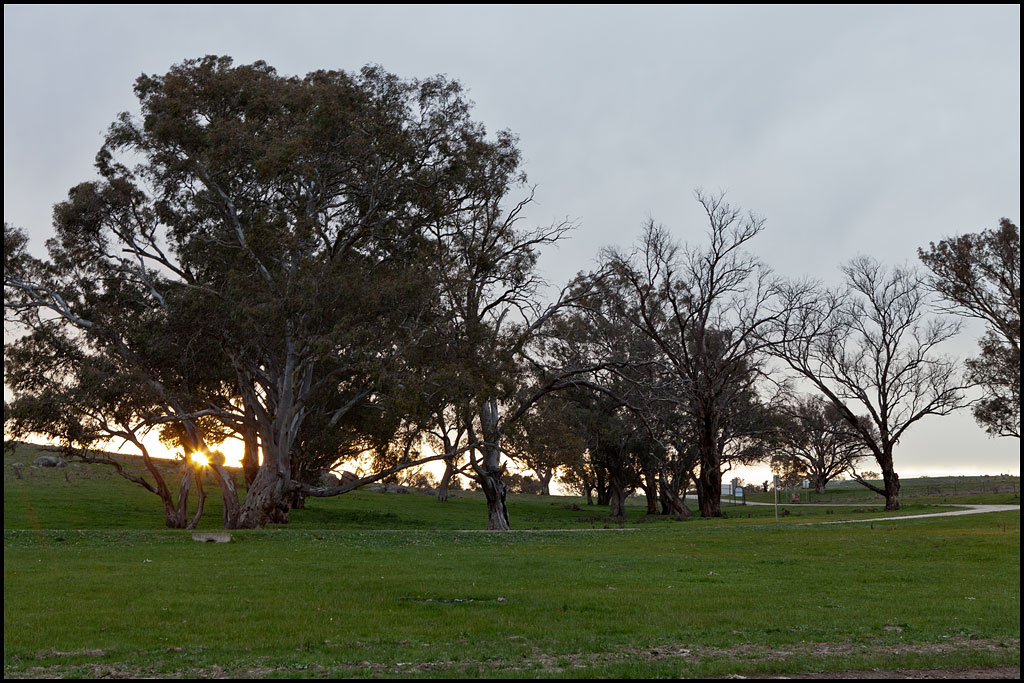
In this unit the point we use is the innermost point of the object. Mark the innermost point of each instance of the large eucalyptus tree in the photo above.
(288, 219)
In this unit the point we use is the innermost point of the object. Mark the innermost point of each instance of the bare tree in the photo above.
(872, 347)
(705, 307)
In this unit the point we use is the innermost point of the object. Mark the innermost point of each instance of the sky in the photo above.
(851, 130)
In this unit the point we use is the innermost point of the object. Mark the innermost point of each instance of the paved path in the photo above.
(965, 510)
(969, 510)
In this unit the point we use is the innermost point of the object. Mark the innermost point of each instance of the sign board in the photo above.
(807, 484)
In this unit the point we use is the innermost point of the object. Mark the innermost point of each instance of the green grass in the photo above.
(384, 585)
(95, 497)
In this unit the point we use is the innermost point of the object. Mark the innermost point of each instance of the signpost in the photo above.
(776, 497)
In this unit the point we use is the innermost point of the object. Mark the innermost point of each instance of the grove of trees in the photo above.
(336, 268)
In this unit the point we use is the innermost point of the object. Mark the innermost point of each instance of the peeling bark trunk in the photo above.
(279, 415)
(495, 491)
(270, 495)
(489, 476)
(262, 498)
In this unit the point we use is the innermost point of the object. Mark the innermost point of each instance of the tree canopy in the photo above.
(287, 223)
(978, 275)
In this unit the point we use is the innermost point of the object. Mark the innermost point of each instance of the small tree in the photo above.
(817, 442)
(123, 367)
(547, 437)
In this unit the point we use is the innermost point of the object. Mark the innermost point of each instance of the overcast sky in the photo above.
(852, 130)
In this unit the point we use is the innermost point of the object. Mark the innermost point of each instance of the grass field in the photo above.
(379, 585)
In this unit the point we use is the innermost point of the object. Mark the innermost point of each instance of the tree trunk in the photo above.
(545, 480)
(261, 500)
(296, 499)
(709, 491)
(251, 454)
(671, 503)
(201, 499)
(489, 475)
(279, 513)
(278, 419)
(495, 492)
(617, 497)
(180, 519)
(446, 479)
(229, 495)
(819, 484)
(666, 492)
(171, 517)
(891, 480)
(269, 497)
(603, 497)
(651, 490)
(709, 482)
